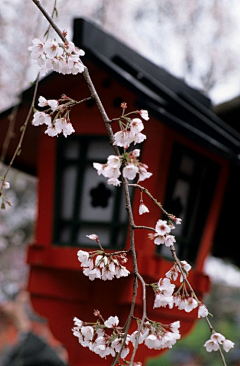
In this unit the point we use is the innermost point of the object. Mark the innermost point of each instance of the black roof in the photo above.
(166, 97)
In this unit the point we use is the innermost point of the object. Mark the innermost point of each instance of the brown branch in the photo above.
(172, 248)
(106, 120)
(144, 227)
(9, 134)
(144, 315)
(145, 190)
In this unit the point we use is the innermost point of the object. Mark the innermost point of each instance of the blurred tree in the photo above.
(16, 231)
(196, 40)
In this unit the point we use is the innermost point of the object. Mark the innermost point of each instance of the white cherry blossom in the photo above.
(144, 114)
(130, 171)
(169, 240)
(162, 227)
(142, 208)
(202, 311)
(53, 130)
(37, 47)
(114, 181)
(87, 332)
(53, 104)
(211, 345)
(136, 126)
(40, 118)
(139, 137)
(111, 322)
(123, 139)
(42, 102)
(60, 57)
(227, 345)
(6, 185)
(52, 49)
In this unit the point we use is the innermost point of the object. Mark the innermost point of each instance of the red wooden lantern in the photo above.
(187, 150)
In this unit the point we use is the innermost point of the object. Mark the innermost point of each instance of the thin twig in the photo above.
(23, 129)
(145, 190)
(172, 248)
(144, 315)
(144, 227)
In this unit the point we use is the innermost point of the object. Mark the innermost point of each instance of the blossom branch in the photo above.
(23, 129)
(106, 120)
(145, 190)
(172, 248)
(144, 316)
(144, 227)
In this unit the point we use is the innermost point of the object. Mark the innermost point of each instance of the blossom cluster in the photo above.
(106, 339)
(56, 117)
(131, 167)
(97, 339)
(162, 233)
(217, 339)
(61, 57)
(156, 335)
(127, 164)
(103, 266)
(131, 132)
(165, 295)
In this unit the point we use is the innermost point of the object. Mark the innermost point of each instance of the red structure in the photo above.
(188, 150)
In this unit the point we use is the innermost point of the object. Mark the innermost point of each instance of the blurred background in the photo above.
(198, 41)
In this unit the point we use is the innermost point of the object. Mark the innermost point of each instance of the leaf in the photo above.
(19, 152)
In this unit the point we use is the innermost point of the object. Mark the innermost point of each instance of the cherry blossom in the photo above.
(102, 266)
(211, 345)
(144, 114)
(169, 240)
(143, 173)
(53, 104)
(111, 322)
(64, 126)
(97, 338)
(53, 130)
(202, 311)
(37, 48)
(60, 57)
(163, 293)
(83, 257)
(216, 340)
(142, 209)
(93, 237)
(162, 228)
(40, 118)
(42, 102)
(157, 336)
(111, 169)
(123, 139)
(130, 171)
(227, 345)
(136, 126)
(6, 185)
